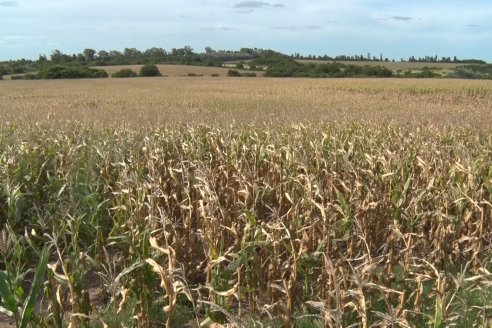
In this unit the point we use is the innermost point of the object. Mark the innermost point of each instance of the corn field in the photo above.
(333, 223)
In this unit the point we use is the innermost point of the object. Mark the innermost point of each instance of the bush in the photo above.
(126, 72)
(252, 74)
(150, 70)
(18, 70)
(70, 72)
(215, 75)
(1, 77)
(233, 72)
(4, 70)
(28, 76)
(473, 72)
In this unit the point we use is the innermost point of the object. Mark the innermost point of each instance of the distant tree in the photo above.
(149, 70)
(58, 57)
(115, 53)
(89, 54)
(233, 73)
(155, 52)
(126, 72)
(180, 52)
(70, 72)
(208, 50)
(103, 55)
(188, 50)
(4, 70)
(247, 51)
(80, 58)
(132, 53)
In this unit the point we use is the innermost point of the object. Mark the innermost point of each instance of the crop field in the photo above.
(235, 202)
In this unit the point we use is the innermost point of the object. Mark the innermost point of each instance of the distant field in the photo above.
(207, 99)
(172, 70)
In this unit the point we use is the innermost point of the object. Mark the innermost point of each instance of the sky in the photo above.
(396, 29)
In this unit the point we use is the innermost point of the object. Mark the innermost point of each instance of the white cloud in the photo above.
(315, 26)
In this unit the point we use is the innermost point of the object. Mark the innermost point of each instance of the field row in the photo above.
(146, 102)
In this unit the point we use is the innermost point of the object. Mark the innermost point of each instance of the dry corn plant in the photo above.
(337, 223)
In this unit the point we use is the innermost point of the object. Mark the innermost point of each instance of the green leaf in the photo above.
(251, 218)
(132, 267)
(30, 302)
(8, 299)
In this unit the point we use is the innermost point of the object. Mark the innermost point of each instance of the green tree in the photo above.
(58, 57)
(103, 55)
(149, 70)
(89, 54)
(126, 72)
(80, 58)
(115, 53)
(70, 72)
(233, 73)
(155, 52)
(132, 53)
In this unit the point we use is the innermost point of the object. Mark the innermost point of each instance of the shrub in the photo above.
(126, 72)
(18, 69)
(28, 76)
(4, 70)
(150, 70)
(70, 72)
(215, 75)
(233, 72)
(1, 77)
(249, 74)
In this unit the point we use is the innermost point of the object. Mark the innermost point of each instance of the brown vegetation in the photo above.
(331, 202)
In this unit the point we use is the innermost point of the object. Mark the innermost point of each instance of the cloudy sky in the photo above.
(397, 29)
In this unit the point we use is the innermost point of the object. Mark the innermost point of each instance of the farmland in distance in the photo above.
(155, 101)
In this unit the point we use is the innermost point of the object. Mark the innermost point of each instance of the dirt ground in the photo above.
(5, 321)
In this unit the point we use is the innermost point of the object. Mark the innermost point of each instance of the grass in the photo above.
(280, 202)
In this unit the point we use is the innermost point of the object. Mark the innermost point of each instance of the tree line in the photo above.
(61, 65)
(380, 58)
